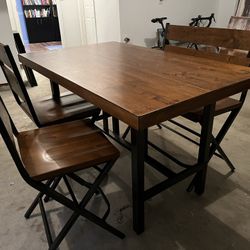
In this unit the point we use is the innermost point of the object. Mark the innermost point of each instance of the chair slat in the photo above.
(3, 56)
(4, 116)
(227, 38)
(244, 61)
(13, 82)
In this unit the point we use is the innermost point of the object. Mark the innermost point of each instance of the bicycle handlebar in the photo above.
(196, 20)
(158, 20)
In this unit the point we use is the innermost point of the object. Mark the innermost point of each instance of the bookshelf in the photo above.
(41, 20)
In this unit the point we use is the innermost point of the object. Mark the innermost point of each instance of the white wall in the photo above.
(107, 20)
(136, 15)
(12, 14)
(70, 22)
(225, 9)
(6, 36)
(88, 21)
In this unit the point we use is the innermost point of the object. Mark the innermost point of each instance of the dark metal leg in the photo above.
(82, 205)
(36, 201)
(204, 150)
(30, 76)
(53, 186)
(126, 132)
(224, 156)
(33, 205)
(220, 136)
(105, 122)
(116, 126)
(159, 126)
(45, 222)
(138, 153)
(55, 90)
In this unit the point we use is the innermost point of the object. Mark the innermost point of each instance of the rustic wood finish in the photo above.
(59, 149)
(222, 106)
(69, 107)
(227, 38)
(232, 59)
(139, 86)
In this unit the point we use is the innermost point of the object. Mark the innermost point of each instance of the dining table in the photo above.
(143, 87)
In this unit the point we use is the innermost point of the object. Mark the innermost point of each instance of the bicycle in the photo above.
(201, 21)
(160, 33)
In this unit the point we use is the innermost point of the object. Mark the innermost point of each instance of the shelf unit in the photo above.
(41, 22)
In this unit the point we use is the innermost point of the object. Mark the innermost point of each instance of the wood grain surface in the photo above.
(139, 86)
(59, 149)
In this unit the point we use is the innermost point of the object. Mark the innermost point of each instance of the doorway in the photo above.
(79, 22)
(37, 23)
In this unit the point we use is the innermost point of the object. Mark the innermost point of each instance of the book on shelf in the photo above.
(38, 2)
(37, 13)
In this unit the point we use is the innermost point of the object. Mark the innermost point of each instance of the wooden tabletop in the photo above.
(139, 86)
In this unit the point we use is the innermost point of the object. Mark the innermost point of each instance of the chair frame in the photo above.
(48, 189)
(28, 71)
(18, 88)
(233, 113)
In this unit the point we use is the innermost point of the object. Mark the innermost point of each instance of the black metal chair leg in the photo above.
(159, 126)
(45, 222)
(126, 133)
(54, 186)
(70, 190)
(224, 156)
(33, 205)
(36, 201)
(82, 205)
(80, 181)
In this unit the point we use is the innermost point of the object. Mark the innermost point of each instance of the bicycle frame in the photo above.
(198, 20)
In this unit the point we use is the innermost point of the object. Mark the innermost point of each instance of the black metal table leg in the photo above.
(55, 90)
(105, 122)
(204, 150)
(138, 152)
(116, 127)
(30, 76)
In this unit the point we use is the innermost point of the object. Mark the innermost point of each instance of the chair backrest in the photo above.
(15, 81)
(217, 37)
(9, 132)
(19, 43)
(226, 38)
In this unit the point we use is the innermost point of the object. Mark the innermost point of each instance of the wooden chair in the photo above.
(51, 154)
(218, 38)
(21, 49)
(47, 111)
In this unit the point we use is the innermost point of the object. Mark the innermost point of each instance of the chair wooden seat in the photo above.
(60, 149)
(69, 107)
(222, 106)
